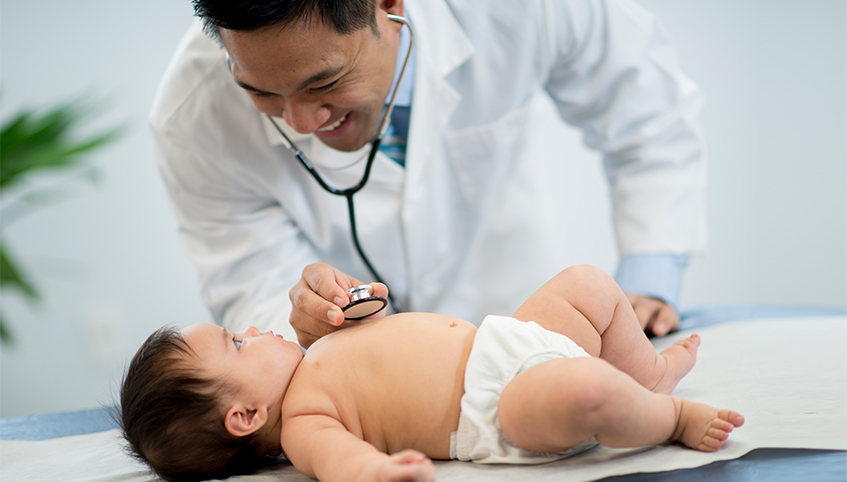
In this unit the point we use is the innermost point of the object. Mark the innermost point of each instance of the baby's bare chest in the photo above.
(398, 385)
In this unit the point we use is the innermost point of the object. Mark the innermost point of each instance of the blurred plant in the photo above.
(31, 143)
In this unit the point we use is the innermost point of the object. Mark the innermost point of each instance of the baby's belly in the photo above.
(413, 426)
(409, 392)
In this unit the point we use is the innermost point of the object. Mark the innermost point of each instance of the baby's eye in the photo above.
(236, 342)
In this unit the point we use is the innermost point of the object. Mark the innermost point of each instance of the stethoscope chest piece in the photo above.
(363, 304)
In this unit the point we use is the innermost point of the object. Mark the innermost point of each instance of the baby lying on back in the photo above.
(571, 368)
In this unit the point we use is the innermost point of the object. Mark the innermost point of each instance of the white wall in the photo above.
(111, 268)
(107, 260)
(774, 76)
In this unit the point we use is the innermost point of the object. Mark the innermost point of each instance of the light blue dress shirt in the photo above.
(655, 275)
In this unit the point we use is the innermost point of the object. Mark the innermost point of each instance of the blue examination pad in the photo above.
(55, 425)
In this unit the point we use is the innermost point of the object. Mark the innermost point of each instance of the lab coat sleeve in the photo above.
(614, 74)
(654, 275)
(247, 251)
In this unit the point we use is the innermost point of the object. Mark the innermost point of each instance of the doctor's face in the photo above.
(318, 80)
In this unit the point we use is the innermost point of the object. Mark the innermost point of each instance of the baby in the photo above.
(378, 401)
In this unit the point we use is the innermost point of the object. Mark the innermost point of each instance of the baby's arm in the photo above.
(320, 447)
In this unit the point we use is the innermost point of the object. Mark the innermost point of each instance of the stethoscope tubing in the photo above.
(349, 192)
(353, 234)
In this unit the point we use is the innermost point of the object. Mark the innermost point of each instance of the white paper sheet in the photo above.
(788, 377)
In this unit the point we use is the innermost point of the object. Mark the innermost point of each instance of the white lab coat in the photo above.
(464, 229)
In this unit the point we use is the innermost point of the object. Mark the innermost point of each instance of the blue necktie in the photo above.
(394, 141)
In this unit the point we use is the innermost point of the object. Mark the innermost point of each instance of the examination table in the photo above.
(793, 391)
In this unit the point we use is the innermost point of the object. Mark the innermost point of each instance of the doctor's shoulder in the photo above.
(192, 62)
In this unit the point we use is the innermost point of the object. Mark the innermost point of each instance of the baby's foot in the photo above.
(679, 359)
(704, 428)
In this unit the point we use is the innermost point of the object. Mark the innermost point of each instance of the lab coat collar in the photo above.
(441, 40)
(442, 46)
(430, 206)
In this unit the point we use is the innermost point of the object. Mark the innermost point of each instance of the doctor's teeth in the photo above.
(333, 126)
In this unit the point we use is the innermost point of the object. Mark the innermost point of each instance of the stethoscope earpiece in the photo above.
(363, 304)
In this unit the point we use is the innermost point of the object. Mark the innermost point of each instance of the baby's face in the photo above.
(253, 362)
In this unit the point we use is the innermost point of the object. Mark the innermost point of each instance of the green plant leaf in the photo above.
(10, 276)
(33, 141)
(38, 197)
(6, 337)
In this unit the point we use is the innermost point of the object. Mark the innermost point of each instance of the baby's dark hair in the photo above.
(172, 418)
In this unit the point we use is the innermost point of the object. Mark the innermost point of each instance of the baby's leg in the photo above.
(587, 397)
(586, 305)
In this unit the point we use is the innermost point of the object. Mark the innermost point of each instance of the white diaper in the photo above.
(502, 348)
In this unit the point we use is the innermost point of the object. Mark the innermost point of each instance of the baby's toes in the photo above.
(710, 444)
(722, 425)
(734, 418)
(690, 344)
(717, 434)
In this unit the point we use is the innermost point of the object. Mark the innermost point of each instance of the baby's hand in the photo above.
(407, 466)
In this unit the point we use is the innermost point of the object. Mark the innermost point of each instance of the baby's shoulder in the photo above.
(308, 393)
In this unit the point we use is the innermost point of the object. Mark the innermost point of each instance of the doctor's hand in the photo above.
(655, 316)
(316, 302)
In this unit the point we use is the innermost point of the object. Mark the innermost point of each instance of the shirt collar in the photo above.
(404, 90)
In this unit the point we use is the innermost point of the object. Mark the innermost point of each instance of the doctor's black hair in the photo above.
(246, 15)
(173, 420)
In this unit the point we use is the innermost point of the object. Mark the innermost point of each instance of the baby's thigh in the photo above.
(547, 408)
(579, 303)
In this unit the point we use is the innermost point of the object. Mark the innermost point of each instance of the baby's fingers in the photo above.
(408, 466)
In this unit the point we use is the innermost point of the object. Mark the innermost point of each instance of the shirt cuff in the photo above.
(654, 275)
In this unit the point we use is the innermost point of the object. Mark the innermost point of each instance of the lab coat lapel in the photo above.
(432, 212)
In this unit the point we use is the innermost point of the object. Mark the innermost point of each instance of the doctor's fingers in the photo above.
(380, 290)
(655, 316)
(327, 282)
(667, 320)
(308, 329)
(307, 305)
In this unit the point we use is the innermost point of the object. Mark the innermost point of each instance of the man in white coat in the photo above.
(454, 216)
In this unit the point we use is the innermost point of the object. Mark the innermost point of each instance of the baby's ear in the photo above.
(241, 420)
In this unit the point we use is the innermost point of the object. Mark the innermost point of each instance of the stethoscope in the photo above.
(363, 304)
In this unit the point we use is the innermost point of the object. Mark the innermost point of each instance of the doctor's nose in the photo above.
(305, 118)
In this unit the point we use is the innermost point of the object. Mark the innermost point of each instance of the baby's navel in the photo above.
(453, 324)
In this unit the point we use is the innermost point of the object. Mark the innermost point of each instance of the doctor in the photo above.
(453, 216)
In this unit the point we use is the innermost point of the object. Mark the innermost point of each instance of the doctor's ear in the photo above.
(394, 7)
(241, 421)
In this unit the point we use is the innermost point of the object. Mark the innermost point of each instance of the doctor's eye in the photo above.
(324, 88)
